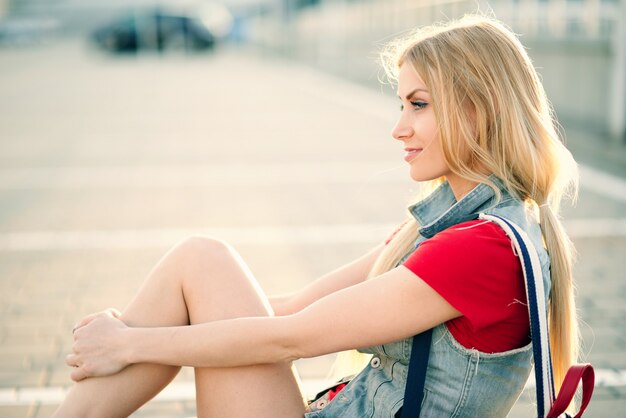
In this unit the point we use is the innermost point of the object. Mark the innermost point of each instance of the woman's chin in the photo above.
(420, 176)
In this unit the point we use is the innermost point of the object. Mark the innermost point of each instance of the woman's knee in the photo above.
(217, 281)
(197, 258)
(203, 245)
(203, 250)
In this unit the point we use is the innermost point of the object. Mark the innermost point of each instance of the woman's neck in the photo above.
(460, 186)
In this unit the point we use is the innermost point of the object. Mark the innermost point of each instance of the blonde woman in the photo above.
(475, 123)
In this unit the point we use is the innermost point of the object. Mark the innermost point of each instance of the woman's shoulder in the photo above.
(466, 244)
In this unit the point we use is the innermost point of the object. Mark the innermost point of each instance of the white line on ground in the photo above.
(258, 235)
(177, 391)
(185, 391)
(603, 183)
(157, 238)
(253, 174)
(596, 228)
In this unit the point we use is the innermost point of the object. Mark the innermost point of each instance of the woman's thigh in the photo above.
(221, 286)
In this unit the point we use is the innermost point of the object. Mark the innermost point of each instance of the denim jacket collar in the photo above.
(440, 210)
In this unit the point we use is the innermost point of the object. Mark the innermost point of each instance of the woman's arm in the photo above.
(345, 276)
(395, 305)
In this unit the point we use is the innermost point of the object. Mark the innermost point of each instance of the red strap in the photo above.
(568, 389)
(334, 391)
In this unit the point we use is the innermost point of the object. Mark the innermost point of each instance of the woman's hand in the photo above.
(98, 348)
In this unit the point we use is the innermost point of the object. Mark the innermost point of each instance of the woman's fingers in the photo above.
(115, 313)
(78, 374)
(86, 320)
(97, 350)
(71, 360)
(79, 371)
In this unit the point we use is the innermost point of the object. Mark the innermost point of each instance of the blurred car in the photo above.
(159, 29)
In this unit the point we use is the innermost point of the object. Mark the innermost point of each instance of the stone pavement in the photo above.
(105, 162)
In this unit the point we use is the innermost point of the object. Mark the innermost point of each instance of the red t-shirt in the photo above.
(473, 267)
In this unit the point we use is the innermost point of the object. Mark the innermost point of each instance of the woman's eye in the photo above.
(419, 104)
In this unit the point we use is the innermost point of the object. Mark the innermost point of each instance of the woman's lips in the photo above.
(411, 153)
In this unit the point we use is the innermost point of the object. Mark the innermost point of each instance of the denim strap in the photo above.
(414, 390)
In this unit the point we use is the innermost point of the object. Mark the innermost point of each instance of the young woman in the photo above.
(475, 123)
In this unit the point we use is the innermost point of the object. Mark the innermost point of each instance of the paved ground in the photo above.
(106, 162)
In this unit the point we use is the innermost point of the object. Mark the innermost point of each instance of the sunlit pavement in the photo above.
(106, 162)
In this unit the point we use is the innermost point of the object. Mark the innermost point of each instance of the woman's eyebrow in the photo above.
(408, 96)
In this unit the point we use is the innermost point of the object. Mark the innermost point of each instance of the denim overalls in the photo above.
(460, 382)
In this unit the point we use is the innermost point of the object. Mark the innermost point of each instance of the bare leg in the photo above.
(198, 281)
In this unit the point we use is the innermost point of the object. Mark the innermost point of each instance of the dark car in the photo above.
(154, 30)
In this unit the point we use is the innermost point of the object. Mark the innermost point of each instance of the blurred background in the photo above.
(126, 126)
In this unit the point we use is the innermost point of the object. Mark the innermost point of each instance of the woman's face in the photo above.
(417, 128)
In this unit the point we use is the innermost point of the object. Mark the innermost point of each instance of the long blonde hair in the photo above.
(494, 117)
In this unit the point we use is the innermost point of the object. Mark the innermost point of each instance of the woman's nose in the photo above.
(403, 130)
